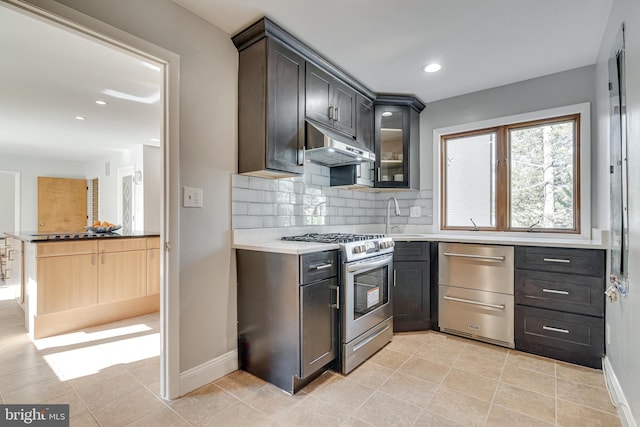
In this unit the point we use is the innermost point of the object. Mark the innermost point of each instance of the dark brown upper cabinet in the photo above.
(364, 122)
(329, 101)
(397, 142)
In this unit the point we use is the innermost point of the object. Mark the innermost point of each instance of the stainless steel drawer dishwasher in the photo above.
(475, 288)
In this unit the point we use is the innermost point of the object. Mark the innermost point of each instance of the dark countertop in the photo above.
(35, 237)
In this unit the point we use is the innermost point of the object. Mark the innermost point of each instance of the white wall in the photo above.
(208, 141)
(555, 90)
(30, 169)
(152, 184)
(7, 198)
(624, 316)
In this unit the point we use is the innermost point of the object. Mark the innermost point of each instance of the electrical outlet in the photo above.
(608, 334)
(192, 197)
(414, 212)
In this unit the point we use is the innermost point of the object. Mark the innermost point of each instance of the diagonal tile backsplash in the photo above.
(309, 200)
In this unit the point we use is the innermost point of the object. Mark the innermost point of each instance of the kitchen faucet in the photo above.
(387, 225)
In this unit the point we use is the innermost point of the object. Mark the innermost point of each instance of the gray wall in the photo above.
(555, 90)
(208, 109)
(7, 197)
(623, 316)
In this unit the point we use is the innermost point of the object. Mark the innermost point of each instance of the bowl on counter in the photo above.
(103, 230)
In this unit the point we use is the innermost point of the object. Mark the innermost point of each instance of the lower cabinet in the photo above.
(411, 286)
(153, 265)
(123, 269)
(287, 315)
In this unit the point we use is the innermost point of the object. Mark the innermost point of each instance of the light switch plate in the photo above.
(414, 212)
(191, 197)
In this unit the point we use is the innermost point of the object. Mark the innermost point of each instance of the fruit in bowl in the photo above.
(102, 227)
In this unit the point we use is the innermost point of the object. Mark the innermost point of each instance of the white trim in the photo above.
(617, 395)
(208, 372)
(86, 26)
(584, 109)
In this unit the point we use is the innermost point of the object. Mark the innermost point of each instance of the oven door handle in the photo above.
(468, 301)
(369, 265)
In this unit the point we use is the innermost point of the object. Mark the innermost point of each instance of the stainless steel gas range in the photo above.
(365, 301)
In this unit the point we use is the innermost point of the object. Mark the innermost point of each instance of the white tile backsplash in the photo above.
(308, 200)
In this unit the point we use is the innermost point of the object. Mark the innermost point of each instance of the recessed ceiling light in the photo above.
(80, 118)
(100, 102)
(432, 68)
(387, 114)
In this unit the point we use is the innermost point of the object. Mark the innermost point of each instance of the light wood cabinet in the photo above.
(153, 265)
(58, 290)
(122, 273)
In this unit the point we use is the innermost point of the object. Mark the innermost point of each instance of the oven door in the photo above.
(367, 295)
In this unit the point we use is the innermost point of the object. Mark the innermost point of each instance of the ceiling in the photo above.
(49, 75)
(384, 44)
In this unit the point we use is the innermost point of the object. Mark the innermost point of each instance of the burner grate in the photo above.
(332, 237)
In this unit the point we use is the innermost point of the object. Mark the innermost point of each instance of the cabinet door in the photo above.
(392, 126)
(318, 325)
(67, 282)
(364, 122)
(153, 271)
(122, 275)
(344, 103)
(318, 95)
(411, 296)
(285, 106)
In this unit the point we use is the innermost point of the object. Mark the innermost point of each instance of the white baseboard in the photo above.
(619, 399)
(207, 372)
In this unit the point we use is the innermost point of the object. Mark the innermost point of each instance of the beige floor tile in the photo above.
(529, 380)
(459, 407)
(163, 417)
(487, 351)
(479, 365)
(406, 344)
(384, 410)
(25, 377)
(371, 374)
(240, 383)
(409, 389)
(570, 414)
(344, 393)
(502, 417)
(240, 415)
(482, 388)
(526, 402)
(85, 419)
(355, 422)
(389, 358)
(312, 412)
(429, 419)
(591, 397)
(127, 408)
(76, 405)
(440, 351)
(38, 393)
(100, 391)
(147, 371)
(201, 406)
(424, 369)
(532, 362)
(580, 374)
(271, 401)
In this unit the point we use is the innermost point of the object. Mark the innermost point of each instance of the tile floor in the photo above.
(110, 377)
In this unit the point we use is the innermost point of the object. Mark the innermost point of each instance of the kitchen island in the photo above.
(76, 280)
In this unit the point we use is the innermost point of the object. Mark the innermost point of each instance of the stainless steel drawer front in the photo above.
(481, 315)
(480, 267)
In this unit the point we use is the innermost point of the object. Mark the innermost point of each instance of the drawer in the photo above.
(481, 267)
(66, 248)
(153, 243)
(557, 291)
(587, 262)
(119, 245)
(411, 251)
(318, 266)
(570, 337)
(486, 316)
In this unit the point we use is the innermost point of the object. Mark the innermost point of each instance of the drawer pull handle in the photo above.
(555, 291)
(368, 340)
(552, 329)
(487, 257)
(468, 301)
(562, 261)
(320, 267)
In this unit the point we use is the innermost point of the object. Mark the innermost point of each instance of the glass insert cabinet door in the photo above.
(392, 142)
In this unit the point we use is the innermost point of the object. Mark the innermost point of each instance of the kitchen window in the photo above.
(521, 176)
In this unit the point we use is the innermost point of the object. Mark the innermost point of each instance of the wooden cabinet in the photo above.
(153, 265)
(365, 122)
(122, 272)
(271, 102)
(66, 276)
(397, 141)
(559, 296)
(329, 101)
(411, 286)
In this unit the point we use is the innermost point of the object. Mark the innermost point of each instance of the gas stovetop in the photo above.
(354, 246)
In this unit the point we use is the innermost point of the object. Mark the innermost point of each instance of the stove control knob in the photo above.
(358, 249)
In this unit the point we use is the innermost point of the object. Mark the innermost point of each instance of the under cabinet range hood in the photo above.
(330, 148)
